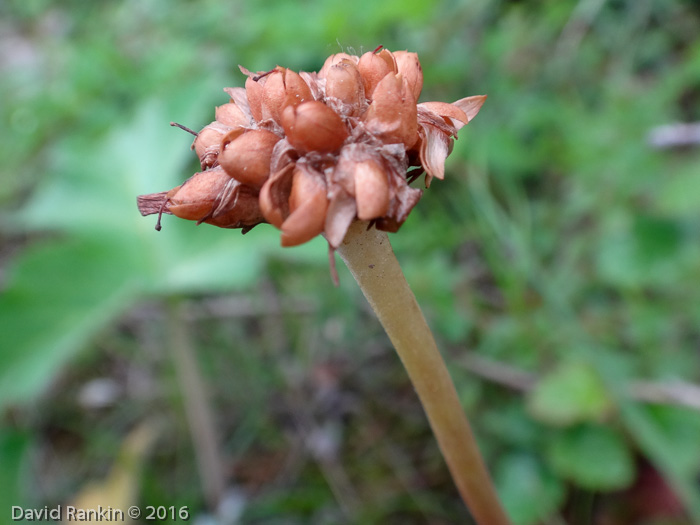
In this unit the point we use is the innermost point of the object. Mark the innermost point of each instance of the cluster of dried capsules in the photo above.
(311, 152)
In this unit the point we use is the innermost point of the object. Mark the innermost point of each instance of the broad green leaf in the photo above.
(571, 393)
(529, 491)
(59, 294)
(594, 457)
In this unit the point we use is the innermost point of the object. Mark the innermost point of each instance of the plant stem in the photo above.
(371, 260)
(199, 415)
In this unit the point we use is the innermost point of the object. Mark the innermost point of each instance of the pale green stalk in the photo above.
(371, 260)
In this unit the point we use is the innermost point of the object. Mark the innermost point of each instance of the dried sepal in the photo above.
(152, 203)
(405, 198)
(451, 113)
(274, 195)
(342, 210)
(434, 149)
(471, 105)
(361, 174)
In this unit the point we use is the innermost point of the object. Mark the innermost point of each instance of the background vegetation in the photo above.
(558, 263)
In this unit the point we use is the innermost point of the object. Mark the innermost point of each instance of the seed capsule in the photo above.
(231, 115)
(333, 60)
(246, 156)
(313, 126)
(254, 93)
(307, 204)
(371, 190)
(207, 143)
(392, 115)
(344, 82)
(409, 66)
(374, 67)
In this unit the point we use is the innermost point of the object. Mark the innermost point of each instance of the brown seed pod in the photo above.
(409, 66)
(313, 126)
(246, 156)
(231, 115)
(344, 82)
(392, 115)
(371, 190)
(196, 198)
(207, 143)
(334, 59)
(254, 93)
(374, 67)
(296, 89)
(307, 204)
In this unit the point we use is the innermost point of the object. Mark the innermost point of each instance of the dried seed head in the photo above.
(313, 126)
(310, 153)
(246, 156)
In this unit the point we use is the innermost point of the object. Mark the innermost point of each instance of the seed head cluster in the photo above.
(311, 152)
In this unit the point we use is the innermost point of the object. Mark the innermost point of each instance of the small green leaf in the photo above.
(594, 457)
(529, 491)
(570, 394)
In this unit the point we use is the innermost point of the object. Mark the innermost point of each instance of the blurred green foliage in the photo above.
(561, 247)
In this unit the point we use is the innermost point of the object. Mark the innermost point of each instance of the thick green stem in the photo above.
(371, 260)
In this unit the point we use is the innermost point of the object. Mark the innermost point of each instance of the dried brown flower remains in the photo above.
(311, 152)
